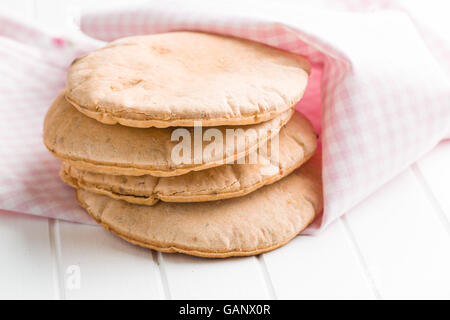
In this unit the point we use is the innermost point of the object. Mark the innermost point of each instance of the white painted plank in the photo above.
(26, 266)
(199, 278)
(403, 241)
(22, 8)
(110, 268)
(435, 168)
(323, 266)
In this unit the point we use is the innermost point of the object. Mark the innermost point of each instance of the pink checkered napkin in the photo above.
(378, 94)
(32, 69)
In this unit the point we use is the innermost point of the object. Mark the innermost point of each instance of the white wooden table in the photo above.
(396, 244)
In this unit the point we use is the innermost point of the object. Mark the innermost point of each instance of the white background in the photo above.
(393, 245)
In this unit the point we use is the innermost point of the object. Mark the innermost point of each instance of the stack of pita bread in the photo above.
(131, 110)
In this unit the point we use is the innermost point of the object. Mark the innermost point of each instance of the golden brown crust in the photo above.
(111, 119)
(174, 79)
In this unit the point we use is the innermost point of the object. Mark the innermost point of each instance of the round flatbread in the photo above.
(296, 144)
(258, 222)
(114, 149)
(174, 79)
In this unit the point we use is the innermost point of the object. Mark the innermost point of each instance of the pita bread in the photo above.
(297, 143)
(87, 144)
(175, 79)
(258, 222)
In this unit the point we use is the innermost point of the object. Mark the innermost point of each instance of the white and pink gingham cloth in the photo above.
(379, 93)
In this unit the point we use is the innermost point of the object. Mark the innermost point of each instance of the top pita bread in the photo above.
(174, 79)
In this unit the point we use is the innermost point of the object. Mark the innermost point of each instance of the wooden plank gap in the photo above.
(158, 259)
(267, 278)
(431, 197)
(356, 248)
(55, 246)
(35, 9)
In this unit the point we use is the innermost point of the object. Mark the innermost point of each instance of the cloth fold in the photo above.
(379, 92)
